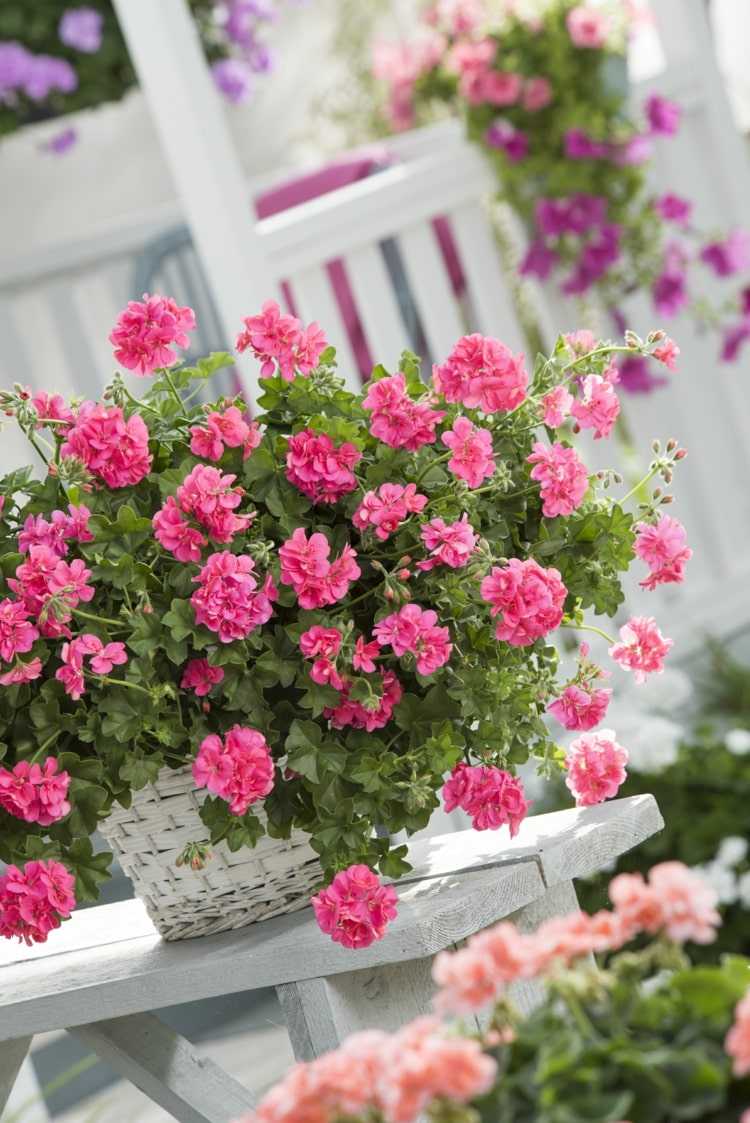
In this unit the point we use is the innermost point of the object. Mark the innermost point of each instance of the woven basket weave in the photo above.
(275, 877)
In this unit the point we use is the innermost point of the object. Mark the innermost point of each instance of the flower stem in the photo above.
(428, 468)
(99, 619)
(363, 596)
(45, 745)
(641, 483)
(123, 682)
(587, 628)
(173, 388)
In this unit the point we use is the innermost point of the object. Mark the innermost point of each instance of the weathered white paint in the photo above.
(12, 1056)
(166, 1067)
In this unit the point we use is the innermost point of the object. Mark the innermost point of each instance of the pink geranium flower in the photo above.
(537, 94)
(563, 477)
(225, 429)
(34, 900)
(111, 447)
(35, 793)
(491, 796)
(52, 407)
(318, 641)
(278, 340)
(663, 547)
(473, 458)
(348, 711)
(415, 630)
(365, 655)
(146, 330)
(396, 419)
(22, 672)
(596, 767)
(667, 353)
(449, 544)
(208, 495)
(386, 508)
(173, 531)
(528, 598)
(676, 901)
(579, 707)
(556, 407)
(229, 600)
(482, 373)
(201, 677)
(355, 909)
(598, 407)
(737, 1041)
(238, 769)
(642, 647)
(17, 633)
(587, 27)
(319, 469)
(315, 580)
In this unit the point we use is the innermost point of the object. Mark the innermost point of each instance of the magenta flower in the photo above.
(673, 208)
(663, 547)
(580, 707)
(415, 630)
(396, 419)
(234, 78)
(229, 600)
(34, 900)
(663, 115)
(595, 764)
(111, 447)
(482, 373)
(146, 330)
(563, 477)
(513, 142)
(355, 909)
(449, 544)
(278, 340)
(385, 509)
(528, 598)
(35, 793)
(473, 459)
(315, 580)
(349, 712)
(319, 469)
(490, 796)
(201, 677)
(598, 407)
(556, 406)
(207, 494)
(730, 256)
(81, 29)
(238, 769)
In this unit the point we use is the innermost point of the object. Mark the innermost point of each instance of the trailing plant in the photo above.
(543, 90)
(323, 610)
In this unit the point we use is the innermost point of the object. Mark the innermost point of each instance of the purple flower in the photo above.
(81, 28)
(234, 78)
(260, 57)
(513, 142)
(636, 376)
(243, 18)
(730, 256)
(61, 142)
(673, 208)
(603, 250)
(669, 292)
(15, 62)
(551, 216)
(580, 146)
(585, 212)
(745, 301)
(734, 339)
(634, 152)
(539, 260)
(45, 74)
(663, 115)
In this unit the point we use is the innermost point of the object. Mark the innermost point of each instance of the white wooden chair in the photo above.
(100, 975)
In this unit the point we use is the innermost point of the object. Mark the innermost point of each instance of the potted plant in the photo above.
(236, 646)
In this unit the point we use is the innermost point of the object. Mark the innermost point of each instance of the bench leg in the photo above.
(559, 900)
(165, 1066)
(320, 1013)
(12, 1055)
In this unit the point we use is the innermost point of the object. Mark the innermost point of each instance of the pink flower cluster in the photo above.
(450, 544)
(642, 647)
(675, 901)
(482, 373)
(385, 509)
(56, 532)
(415, 630)
(207, 494)
(473, 459)
(316, 580)
(598, 407)
(35, 793)
(320, 469)
(103, 658)
(279, 340)
(663, 547)
(587, 26)
(491, 796)
(50, 588)
(17, 633)
(228, 599)
(355, 909)
(581, 707)
(145, 331)
(528, 597)
(563, 477)
(239, 768)
(322, 645)
(51, 407)
(556, 406)
(111, 447)
(595, 764)
(227, 429)
(396, 419)
(390, 1077)
(34, 900)
(348, 711)
(201, 677)
(737, 1042)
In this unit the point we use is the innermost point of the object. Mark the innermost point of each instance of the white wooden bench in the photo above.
(100, 975)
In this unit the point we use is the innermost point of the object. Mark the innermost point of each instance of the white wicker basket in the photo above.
(275, 877)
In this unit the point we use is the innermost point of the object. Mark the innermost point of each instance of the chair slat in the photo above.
(430, 286)
(315, 300)
(489, 289)
(377, 304)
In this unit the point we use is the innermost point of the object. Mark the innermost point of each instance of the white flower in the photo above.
(743, 889)
(721, 879)
(652, 742)
(737, 741)
(732, 851)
